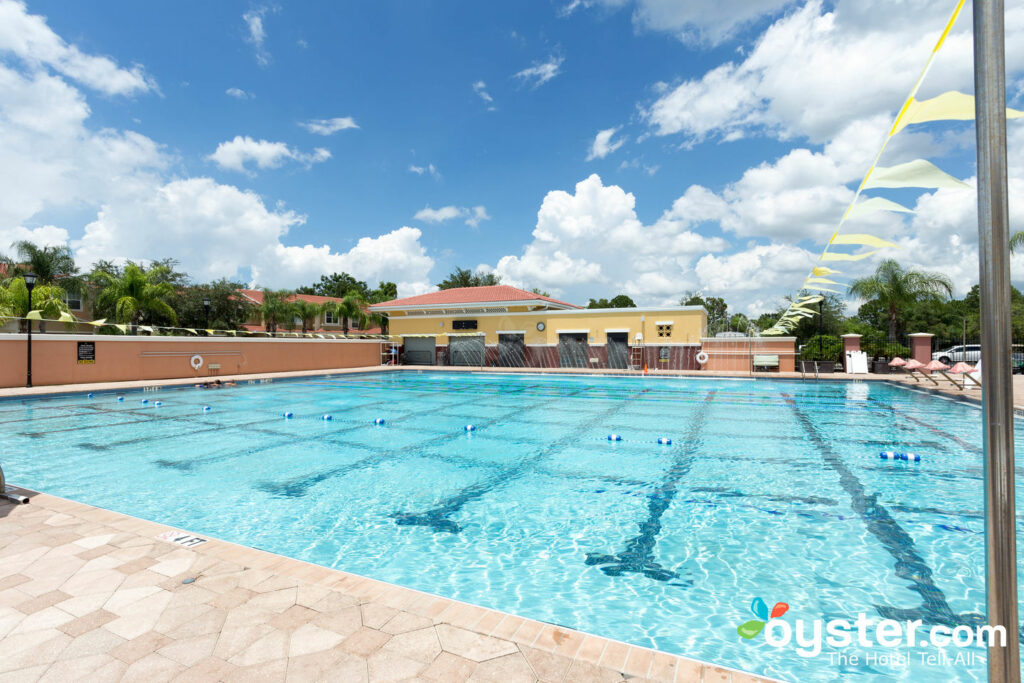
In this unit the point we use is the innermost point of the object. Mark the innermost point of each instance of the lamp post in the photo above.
(206, 311)
(30, 282)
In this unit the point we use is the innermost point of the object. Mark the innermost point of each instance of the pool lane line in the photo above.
(894, 539)
(896, 412)
(437, 517)
(638, 556)
(299, 486)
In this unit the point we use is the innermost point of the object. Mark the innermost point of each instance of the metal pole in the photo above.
(997, 388)
(28, 375)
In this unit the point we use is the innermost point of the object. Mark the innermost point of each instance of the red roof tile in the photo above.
(471, 295)
(256, 295)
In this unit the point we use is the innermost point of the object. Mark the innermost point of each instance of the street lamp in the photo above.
(30, 282)
(206, 309)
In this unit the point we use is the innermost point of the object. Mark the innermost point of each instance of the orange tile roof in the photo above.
(471, 295)
(256, 296)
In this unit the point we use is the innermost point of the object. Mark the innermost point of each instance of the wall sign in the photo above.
(86, 353)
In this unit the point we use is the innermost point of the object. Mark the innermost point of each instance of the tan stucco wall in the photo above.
(55, 357)
(688, 324)
(736, 354)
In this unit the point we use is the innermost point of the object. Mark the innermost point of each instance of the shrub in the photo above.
(822, 347)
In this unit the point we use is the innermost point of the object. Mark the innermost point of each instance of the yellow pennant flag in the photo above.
(869, 206)
(821, 281)
(819, 288)
(822, 270)
(123, 328)
(949, 106)
(190, 330)
(66, 317)
(145, 328)
(34, 315)
(832, 256)
(209, 332)
(98, 323)
(861, 239)
(916, 173)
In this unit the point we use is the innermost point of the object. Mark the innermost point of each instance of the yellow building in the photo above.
(506, 326)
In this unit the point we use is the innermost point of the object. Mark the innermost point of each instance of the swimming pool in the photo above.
(770, 489)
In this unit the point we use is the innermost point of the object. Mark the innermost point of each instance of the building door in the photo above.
(618, 350)
(466, 350)
(419, 350)
(573, 350)
(512, 350)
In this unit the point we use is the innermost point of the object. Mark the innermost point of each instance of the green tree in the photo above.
(896, 288)
(276, 309)
(718, 310)
(620, 301)
(1017, 240)
(336, 285)
(540, 292)
(306, 311)
(463, 277)
(47, 299)
(136, 296)
(386, 291)
(52, 265)
(350, 308)
(228, 309)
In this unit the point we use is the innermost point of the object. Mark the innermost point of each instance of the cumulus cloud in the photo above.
(592, 239)
(235, 154)
(480, 88)
(541, 72)
(256, 33)
(445, 213)
(329, 126)
(238, 94)
(28, 37)
(476, 216)
(603, 145)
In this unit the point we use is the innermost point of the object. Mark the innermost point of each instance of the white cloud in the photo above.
(235, 154)
(238, 94)
(480, 88)
(592, 239)
(541, 72)
(43, 236)
(420, 170)
(256, 33)
(29, 38)
(477, 215)
(445, 213)
(691, 22)
(329, 126)
(603, 145)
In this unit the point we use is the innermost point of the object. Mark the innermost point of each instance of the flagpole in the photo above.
(997, 385)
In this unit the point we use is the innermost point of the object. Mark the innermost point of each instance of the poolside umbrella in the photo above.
(939, 367)
(897, 362)
(964, 369)
(912, 365)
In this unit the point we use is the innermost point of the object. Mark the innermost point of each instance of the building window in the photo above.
(463, 324)
(665, 330)
(73, 300)
(330, 318)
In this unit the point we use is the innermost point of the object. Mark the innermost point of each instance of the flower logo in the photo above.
(750, 629)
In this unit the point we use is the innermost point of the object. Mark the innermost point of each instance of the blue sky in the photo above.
(470, 134)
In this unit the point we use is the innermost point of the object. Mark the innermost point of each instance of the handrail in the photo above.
(5, 492)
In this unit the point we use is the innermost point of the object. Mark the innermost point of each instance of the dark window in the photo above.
(463, 324)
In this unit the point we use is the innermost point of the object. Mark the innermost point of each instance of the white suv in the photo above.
(955, 354)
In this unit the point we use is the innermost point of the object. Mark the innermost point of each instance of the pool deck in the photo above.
(90, 594)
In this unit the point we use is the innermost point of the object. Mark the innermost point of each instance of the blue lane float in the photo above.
(159, 403)
(326, 418)
(379, 421)
(289, 415)
(90, 394)
(144, 401)
(470, 428)
(120, 399)
(894, 455)
(207, 409)
(665, 441)
(615, 437)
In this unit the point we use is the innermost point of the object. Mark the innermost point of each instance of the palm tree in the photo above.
(307, 312)
(47, 299)
(137, 295)
(896, 288)
(350, 308)
(50, 264)
(1017, 240)
(275, 308)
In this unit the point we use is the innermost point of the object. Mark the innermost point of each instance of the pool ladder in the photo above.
(8, 493)
(803, 372)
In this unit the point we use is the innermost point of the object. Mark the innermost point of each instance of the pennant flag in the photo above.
(34, 315)
(822, 270)
(813, 298)
(832, 256)
(231, 332)
(869, 206)
(209, 332)
(949, 106)
(916, 173)
(818, 288)
(189, 329)
(98, 323)
(865, 240)
(66, 317)
(821, 281)
(146, 328)
(123, 328)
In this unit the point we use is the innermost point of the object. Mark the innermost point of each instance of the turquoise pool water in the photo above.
(770, 489)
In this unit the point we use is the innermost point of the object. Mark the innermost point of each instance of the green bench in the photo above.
(766, 362)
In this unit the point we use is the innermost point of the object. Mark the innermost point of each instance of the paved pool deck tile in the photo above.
(90, 594)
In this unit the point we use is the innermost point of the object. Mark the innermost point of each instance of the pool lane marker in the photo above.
(908, 564)
(180, 538)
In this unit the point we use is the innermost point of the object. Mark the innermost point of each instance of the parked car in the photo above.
(955, 354)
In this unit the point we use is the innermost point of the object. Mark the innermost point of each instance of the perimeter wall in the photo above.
(55, 358)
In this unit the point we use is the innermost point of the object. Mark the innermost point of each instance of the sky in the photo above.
(585, 147)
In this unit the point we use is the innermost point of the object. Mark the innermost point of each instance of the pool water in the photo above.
(770, 489)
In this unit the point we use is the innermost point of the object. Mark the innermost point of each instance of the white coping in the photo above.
(746, 339)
